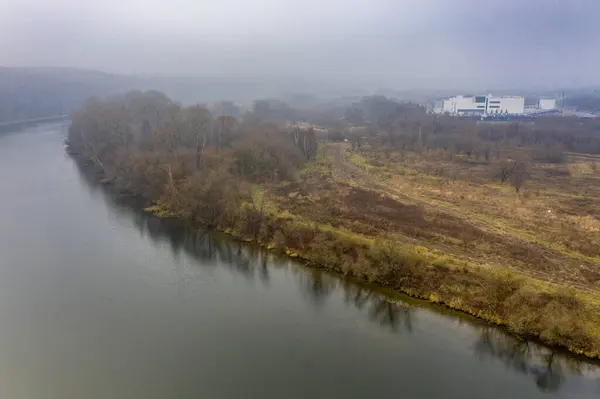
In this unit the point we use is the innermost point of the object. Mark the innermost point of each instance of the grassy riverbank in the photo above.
(557, 314)
(395, 210)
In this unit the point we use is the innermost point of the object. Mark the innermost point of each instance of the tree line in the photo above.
(510, 149)
(192, 162)
(148, 144)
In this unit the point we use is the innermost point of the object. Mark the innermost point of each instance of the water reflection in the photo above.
(547, 368)
(380, 309)
(316, 285)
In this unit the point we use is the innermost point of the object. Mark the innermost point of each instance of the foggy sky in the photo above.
(397, 43)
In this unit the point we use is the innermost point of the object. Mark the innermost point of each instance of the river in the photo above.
(98, 300)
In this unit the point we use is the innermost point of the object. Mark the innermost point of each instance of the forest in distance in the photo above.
(499, 220)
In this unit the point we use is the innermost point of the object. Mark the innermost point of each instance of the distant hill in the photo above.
(39, 92)
(27, 93)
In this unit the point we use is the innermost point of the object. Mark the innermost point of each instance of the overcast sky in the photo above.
(396, 43)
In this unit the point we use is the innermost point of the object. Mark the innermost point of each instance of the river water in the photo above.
(98, 300)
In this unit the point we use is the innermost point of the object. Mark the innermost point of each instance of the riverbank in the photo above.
(555, 315)
(189, 311)
(469, 244)
(528, 308)
(8, 126)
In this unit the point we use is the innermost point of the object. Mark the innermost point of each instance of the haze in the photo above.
(392, 43)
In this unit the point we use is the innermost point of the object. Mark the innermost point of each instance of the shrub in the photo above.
(550, 154)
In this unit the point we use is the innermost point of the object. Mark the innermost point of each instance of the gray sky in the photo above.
(398, 43)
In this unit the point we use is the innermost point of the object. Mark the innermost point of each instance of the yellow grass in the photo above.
(543, 217)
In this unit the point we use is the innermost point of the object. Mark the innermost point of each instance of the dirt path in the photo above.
(347, 172)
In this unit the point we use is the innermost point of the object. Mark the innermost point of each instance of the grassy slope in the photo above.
(448, 234)
(558, 214)
(479, 247)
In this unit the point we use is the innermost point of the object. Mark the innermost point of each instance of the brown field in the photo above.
(474, 229)
(549, 231)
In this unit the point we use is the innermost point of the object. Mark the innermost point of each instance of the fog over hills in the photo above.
(403, 44)
(201, 50)
(38, 92)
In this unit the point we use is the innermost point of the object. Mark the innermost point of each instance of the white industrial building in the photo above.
(547, 103)
(481, 105)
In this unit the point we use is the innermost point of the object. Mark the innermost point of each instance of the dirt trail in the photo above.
(346, 172)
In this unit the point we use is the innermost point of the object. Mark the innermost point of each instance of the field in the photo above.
(549, 231)
(450, 212)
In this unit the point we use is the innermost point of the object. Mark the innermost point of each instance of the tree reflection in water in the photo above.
(392, 315)
(315, 284)
(380, 308)
(319, 285)
(547, 368)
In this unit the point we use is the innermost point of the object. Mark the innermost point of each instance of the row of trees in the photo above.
(150, 145)
(510, 149)
(195, 163)
(409, 126)
(585, 102)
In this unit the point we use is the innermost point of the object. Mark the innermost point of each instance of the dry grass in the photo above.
(412, 235)
(557, 213)
(528, 260)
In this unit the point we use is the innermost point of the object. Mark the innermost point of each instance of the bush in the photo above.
(550, 154)
(395, 259)
(335, 136)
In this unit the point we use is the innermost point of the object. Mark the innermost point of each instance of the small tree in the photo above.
(506, 169)
(519, 175)
(225, 124)
(335, 136)
(554, 153)
(200, 123)
(487, 153)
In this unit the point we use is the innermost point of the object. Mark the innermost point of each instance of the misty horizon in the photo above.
(400, 44)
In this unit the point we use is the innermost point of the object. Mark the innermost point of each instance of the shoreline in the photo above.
(443, 306)
(436, 284)
(411, 293)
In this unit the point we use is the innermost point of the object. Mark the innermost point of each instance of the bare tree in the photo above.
(201, 124)
(487, 151)
(519, 175)
(224, 125)
(507, 168)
